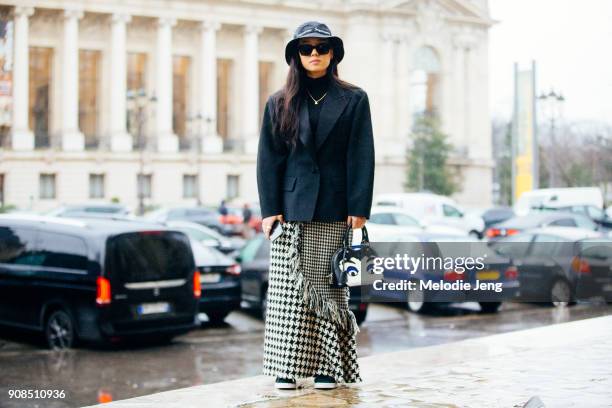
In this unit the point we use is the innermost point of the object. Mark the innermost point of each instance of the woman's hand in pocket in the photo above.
(266, 224)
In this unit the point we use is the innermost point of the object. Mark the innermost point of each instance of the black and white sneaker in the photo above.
(284, 383)
(324, 382)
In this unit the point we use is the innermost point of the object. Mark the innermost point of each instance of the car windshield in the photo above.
(512, 246)
(531, 220)
(197, 233)
(112, 210)
(382, 218)
(405, 220)
(583, 221)
(596, 248)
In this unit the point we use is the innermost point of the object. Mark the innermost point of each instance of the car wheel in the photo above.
(59, 330)
(475, 234)
(416, 301)
(560, 293)
(489, 307)
(217, 317)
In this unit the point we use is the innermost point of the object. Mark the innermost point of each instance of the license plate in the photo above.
(210, 277)
(151, 308)
(487, 275)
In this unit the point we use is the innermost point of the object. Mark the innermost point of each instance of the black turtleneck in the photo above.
(317, 88)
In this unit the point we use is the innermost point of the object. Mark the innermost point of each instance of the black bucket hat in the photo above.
(318, 30)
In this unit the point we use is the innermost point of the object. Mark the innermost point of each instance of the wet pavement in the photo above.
(564, 365)
(233, 351)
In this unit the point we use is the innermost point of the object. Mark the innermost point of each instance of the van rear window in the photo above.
(149, 256)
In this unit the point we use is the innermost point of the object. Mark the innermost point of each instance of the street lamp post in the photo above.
(140, 103)
(552, 103)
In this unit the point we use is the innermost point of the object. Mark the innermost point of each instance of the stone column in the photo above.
(459, 118)
(22, 137)
(403, 117)
(71, 136)
(387, 78)
(469, 137)
(461, 46)
(167, 141)
(211, 141)
(120, 139)
(250, 100)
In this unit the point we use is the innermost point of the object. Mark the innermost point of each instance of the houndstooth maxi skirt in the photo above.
(309, 328)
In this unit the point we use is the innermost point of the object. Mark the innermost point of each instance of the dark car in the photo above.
(495, 270)
(200, 215)
(220, 282)
(538, 220)
(95, 280)
(560, 265)
(230, 246)
(496, 215)
(255, 261)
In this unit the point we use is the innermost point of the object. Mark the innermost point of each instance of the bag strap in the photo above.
(364, 236)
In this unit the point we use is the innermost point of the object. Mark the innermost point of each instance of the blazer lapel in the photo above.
(305, 133)
(331, 110)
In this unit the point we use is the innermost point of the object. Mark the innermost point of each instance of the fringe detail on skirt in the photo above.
(323, 307)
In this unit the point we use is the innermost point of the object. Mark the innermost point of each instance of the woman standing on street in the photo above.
(315, 175)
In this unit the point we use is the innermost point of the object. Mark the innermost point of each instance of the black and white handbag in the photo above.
(349, 260)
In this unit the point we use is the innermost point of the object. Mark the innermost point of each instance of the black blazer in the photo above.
(327, 176)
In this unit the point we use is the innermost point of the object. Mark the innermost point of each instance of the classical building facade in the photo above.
(164, 98)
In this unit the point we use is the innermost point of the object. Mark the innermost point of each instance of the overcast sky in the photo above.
(571, 42)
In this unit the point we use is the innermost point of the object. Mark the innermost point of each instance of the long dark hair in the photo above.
(287, 106)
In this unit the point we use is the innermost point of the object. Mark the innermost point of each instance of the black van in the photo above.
(96, 280)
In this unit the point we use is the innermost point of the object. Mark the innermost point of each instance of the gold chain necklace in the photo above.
(316, 101)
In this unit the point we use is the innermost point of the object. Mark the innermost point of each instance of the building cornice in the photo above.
(272, 13)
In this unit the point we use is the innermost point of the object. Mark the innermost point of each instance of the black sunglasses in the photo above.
(306, 49)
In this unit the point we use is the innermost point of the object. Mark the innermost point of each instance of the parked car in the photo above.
(433, 209)
(596, 214)
(95, 280)
(255, 261)
(538, 220)
(84, 210)
(386, 220)
(496, 270)
(559, 264)
(220, 282)
(547, 197)
(209, 237)
(201, 215)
